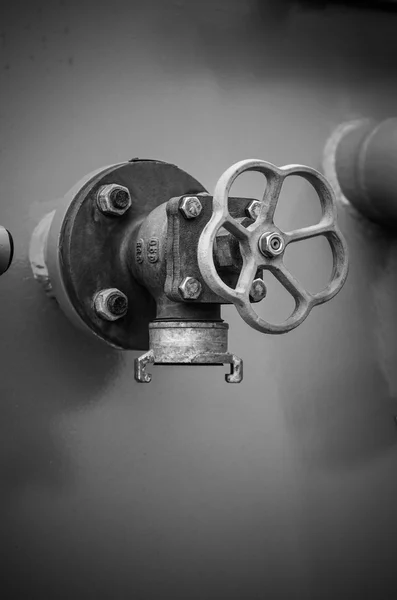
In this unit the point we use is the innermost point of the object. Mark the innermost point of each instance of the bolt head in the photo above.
(271, 244)
(258, 290)
(253, 209)
(190, 288)
(190, 207)
(113, 199)
(110, 304)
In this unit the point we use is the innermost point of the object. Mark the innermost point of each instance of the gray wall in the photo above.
(283, 487)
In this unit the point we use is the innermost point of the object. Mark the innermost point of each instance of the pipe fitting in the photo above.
(365, 159)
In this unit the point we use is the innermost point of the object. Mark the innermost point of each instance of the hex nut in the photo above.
(190, 288)
(113, 199)
(110, 304)
(253, 209)
(190, 207)
(258, 290)
(271, 244)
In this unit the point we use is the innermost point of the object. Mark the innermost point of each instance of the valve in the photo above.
(142, 256)
(6, 250)
(262, 244)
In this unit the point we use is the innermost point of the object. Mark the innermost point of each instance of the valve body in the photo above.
(143, 257)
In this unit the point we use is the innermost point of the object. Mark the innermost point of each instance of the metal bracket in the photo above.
(236, 365)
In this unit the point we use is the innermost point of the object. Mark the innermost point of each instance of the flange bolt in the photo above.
(190, 207)
(190, 288)
(113, 199)
(110, 304)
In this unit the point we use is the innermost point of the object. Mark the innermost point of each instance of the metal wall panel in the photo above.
(282, 487)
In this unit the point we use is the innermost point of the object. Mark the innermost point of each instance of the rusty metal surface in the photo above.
(251, 248)
(182, 237)
(182, 341)
(91, 250)
(113, 199)
(188, 343)
(110, 304)
(130, 252)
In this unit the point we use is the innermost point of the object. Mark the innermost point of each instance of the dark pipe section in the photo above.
(6, 250)
(366, 167)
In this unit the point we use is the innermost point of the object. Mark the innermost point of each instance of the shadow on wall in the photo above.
(340, 399)
(58, 369)
(278, 38)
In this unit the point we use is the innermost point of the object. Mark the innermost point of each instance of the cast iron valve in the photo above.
(141, 255)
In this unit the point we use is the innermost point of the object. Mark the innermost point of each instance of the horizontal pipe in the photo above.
(366, 168)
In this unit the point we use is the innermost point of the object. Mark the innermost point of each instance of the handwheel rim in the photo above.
(248, 237)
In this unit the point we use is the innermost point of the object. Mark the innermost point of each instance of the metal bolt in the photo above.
(190, 288)
(271, 244)
(253, 209)
(190, 207)
(258, 290)
(113, 199)
(110, 304)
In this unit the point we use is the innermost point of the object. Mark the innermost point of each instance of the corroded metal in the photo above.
(190, 207)
(155, 279)
(253, 258)
(180, 241)
(110, 304)
(78, 251)
(113, 199)
(188, 343)
(190, 288)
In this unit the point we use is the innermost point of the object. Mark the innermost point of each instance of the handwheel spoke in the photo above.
(306, 233)
(246, 278)
(292, 285)
(270, 199)
(236, 229)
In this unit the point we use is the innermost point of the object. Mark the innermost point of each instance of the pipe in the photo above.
(365, 163)
(6, 249)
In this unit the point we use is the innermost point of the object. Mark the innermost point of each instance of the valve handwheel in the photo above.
(262, 244)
